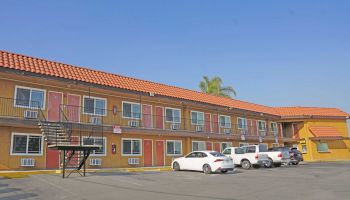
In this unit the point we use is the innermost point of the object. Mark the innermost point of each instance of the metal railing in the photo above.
(87, 116)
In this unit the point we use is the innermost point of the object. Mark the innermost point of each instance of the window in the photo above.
(262, 125)
(274, 128)
(225, 121)
(29, 97)
(322, 147)
(101, 141)
(197, 118)
(26, 144)
(173, 147)
(217, 154)
(131, 110)
(131, 147)
(239, 151)
(198, 146)
(227, 152)
(250, 149)
(95, 106)
(263, 147)
(303, 148)
(242, 144)
(225, 145)
(172, 115)
(242, 123)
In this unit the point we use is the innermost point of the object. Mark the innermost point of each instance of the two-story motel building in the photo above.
(142, 123)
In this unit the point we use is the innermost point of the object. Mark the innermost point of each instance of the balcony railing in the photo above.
(86, 120)
(83, 115)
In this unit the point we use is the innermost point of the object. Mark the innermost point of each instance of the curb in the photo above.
(23, 174)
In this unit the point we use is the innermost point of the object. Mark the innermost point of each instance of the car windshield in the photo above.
(217, 154)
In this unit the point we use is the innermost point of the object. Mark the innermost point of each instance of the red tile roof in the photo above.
(56, 69)
(325, 131)
(310, 111)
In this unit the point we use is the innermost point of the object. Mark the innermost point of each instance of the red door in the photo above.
(215, 123)
(280, 129)
(160, 153)
(52, 159)
(250, 127)
(147, 116)
(147, 152)
(73, 108)
(159, 118)
(207, 122)
(209, 146)
(54, 102)
(217, 146)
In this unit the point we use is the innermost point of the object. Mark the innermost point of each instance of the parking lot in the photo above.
(306, 181)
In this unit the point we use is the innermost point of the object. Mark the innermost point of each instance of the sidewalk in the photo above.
(23, 174)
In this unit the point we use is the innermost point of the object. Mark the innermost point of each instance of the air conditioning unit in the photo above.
(175, 126)
(199, 128)
(96, 120)
(275, 133)
(30, 114)
(262, 133)
(244, 131)
(95, 162)
(133, 123)
(134, 161)
(227, 131)
(27, 162)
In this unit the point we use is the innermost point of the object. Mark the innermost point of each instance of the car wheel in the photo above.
(295, 163)
(223, 171)
(206, 169)
(269, 163)
(246, 164)
(176, 166)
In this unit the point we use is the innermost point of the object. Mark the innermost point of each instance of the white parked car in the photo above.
(206, 161)
(246, 157)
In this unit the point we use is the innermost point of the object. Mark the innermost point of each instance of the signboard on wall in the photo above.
(117, 129)
(243, 137)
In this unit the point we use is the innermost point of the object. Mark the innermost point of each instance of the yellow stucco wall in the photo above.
(338, 149)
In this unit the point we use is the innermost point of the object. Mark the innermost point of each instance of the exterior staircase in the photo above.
(58, 136)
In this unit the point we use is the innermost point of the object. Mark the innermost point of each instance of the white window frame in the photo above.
(30, 97)
(259, 125)
(193, 111)
(132, 103)
(26, 154)
(205, 145)
(274, 131)
(322, 151)
(99, 98)
(131, 139)
(166, 120)
(104, 145)
(246, 123)
(228, 144)
(229, 120)
(174, 141)
(302, 150)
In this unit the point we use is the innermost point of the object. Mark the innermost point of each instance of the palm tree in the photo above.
(214, 86)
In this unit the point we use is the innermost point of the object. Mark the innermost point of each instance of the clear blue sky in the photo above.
(277, 53)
